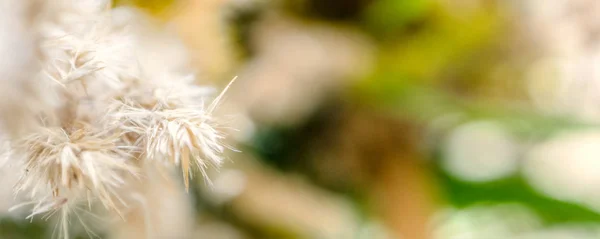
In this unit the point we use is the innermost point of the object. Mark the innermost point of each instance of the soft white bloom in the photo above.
(566, 167)
(108, 108)
(173, 130)
(76, 163)
(480, 152)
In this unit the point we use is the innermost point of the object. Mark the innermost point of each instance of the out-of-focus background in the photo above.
(385, 119)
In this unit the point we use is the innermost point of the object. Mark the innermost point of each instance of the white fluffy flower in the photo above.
(109, 109)
(73, 164)
(173, 130)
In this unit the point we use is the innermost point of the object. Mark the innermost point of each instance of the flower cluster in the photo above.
(111, 104)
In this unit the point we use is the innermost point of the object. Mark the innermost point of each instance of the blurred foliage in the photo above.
(411, 77)
(385, 17)
(420, 43)
(155, 7)
(421, 56)
(21, 230)
(331, 10)
(463, 194)
(433, 63)
(242, 22)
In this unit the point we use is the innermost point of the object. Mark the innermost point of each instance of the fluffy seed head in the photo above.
(107, 109)
(73, 164)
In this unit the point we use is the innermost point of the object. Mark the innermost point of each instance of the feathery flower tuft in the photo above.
(174, 132)
(75, 163)
(109, 110)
